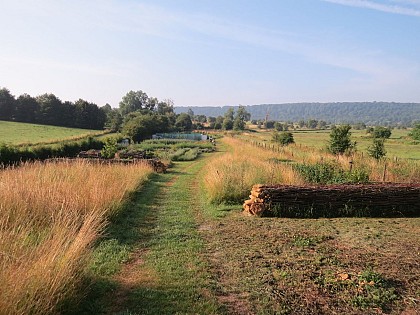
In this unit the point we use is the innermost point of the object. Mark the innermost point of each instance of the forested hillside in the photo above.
(370, 113)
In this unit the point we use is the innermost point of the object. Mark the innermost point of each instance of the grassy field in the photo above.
(184, 255)
(181, 245)
(17, 133)
(399, 145)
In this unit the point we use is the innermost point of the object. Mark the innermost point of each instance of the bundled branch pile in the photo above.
(373, 200)
(131, 155)
(158, 166)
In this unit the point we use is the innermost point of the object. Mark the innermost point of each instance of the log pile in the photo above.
(90, 154)
(373, 200)
(131, 155)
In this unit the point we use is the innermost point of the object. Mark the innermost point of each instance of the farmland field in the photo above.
(17, 133)
(192, 256)
(399, 145)
(180, 245)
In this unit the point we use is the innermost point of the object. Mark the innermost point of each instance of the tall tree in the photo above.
(27, 109)
(7, 104)
(114, 120)
(183, 122)
(228, 119)
(134, 101)
(143, 126)
(88, 115)
(218, 123)
(50, 110)
(190, 113)
(241, 117)
(166, 107)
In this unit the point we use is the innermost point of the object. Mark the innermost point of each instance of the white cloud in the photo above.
(412, 10)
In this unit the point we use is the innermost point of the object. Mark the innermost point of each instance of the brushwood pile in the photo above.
(368, 200)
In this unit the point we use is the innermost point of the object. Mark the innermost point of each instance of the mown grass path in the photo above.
(155, 264)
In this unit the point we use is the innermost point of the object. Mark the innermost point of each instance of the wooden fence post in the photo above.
(384, 175)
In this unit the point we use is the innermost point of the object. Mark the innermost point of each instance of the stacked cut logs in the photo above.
(90, 154)
(334, 200)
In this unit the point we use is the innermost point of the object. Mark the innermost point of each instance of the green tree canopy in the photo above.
(183, 122)
(143, 126)
(228, 119)
(50, 110)
(134, 101)
(88, 115)
(27, 109)
(240, 118)
(7, 104)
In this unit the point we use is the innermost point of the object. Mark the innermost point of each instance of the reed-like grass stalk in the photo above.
(50, 214)
(230, 177)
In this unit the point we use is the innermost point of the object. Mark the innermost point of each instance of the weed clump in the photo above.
(329, 173)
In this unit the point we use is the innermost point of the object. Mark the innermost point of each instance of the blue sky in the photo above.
(213, 52)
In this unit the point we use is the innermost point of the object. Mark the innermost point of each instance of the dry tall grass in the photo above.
(230, 177)
(50, 213)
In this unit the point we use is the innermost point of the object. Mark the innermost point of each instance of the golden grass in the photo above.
(230, 177)
(50, 214)
(396, 170)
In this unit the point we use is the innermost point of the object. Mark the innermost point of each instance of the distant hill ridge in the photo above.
(371, 113)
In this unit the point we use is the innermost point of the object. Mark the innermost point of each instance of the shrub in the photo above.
(381, 132)
(110, 148)
(377, 150)
(284, 138)
(328, 173)
(415, 133)
(340, 141)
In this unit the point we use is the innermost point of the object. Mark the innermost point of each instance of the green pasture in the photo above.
(400, 145)
(17, 133)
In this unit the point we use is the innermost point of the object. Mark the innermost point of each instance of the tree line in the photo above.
(138, 115)
(48, 109)
(369, 113)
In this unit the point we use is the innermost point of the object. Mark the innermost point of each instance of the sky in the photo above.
(212, 52)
